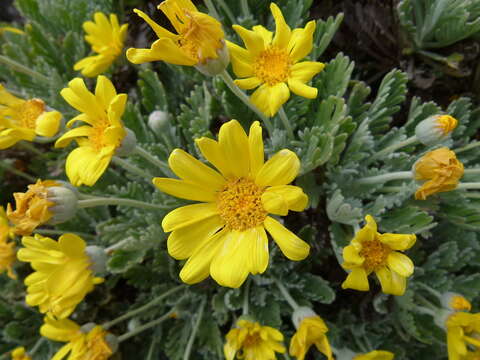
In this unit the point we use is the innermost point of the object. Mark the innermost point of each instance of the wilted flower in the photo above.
(370, 251)
(107, 39)
(435, 128)
(24, 119)
(20, 354)
(441, 169)
(463, 336)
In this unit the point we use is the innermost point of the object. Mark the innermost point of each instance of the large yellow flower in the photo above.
(311, 331)
(20, 354)
(272, 62)
(440, 169)
(375, 355)
(93, 344)
(370, 251)
(200, 37)
(463, 335)
(63, 275)
(225, 234)
(107, 39)
(24, 119)
(104, 133)
(251, 341)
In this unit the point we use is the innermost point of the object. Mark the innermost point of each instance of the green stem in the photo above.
(398, 175)
(146, 326)
(471, 171)
(116, 246)
(28, 146)
(245, 8)
(141, 309)
(37, 346)
(425, 302)
(285, 355)
(393, 147)
(246, 295)
(151, 159)
(132, 168)
(61, 232)
(191, 340)
(11, 169)
(212, 10)
(286, 294)
(246, 100)
(23, 69)
(472, 195)
(472, 145)
(430, 290)
(286, 122)
(100, 201)
(468, 185)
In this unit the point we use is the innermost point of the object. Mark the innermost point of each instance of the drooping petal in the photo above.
(290, 244)
(351, 257)
(248, 83)
(400, 263)
(70, 135)
(159, 31)
(48, 123)
(85, 166)
(269, 99)
(357, 280)
(188, 215)
(391, 282)
(280, 169)
(164, 49)
(302, 89)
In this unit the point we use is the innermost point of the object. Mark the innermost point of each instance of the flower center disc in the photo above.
(272, 66)
(30, 111)
(375, 254)
(240, 204)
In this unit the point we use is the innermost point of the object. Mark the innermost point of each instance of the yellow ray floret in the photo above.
(251, 341)
(103, 134)
(311, 331)
(20, 354)
(199, 36)
(272, 62)
(24, 119)
(370, 251)
(375, 355)
(106, 37)
(225, 235)
(62, 276)
(463, 331)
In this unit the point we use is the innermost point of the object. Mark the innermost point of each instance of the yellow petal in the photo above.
(400, 263)
(59, 330)
(280, 169)
(48, 123)
(72, 245)
(357, 280)
(351, 256)
(301, 42)
(290, 244)
(368, 232)
(305, 70)
(302, 89)
(255, 146)
(92, 66)
(163, 49)
(398, 241)
(265, 34)
(184, 190)
(105, 91)
(248, 83)
(258, 257)
(211, 150)
(159, 31)
(274, 203)
(282, 30)
(241, 60)
(391, 282)
(78, 96)
(233, 143)
(85, 166)
(252, 40)
(188, 215)
(269, 98)
(294, 196)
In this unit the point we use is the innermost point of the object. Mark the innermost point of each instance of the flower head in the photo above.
(441, 169)
(89, 342)
(370, 251)
(455, 302)
(435, 128)
(225, 234)
(106, 38)
(99, 140)
(20, 354)
(251, 341)
(375, 355)
(272, 62)
(62, 276)
(44, 201)
(463, 335)
(24, 119)
(199, 39)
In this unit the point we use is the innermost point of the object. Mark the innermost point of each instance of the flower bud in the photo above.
(455, 302)
(65, 199)
(158, 121)
(212, 67)
(98, 258)
(128, 144)
(435, 129)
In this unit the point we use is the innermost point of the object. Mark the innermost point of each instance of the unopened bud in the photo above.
(212, 67)
(301, 313)
(455, 302)
(128, 144)
(65, 199)
(435, 129)
(158, 121)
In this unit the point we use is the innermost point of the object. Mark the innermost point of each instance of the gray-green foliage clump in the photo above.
(339, 138)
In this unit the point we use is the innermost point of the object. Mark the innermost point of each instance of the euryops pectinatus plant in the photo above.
(211, 180)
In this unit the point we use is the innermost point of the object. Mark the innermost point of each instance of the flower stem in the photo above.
(28, 146)
(100, 201)
(286, 294)
(246, 100)
(23, 69)
(117, 245)
(472, 171)
(211, 9)
(151, 159)
(146, 326)
(389, 149)
(398, 175)
(12, 169)
(37, 346)
(188, 349)
(286, 122)
(246, 294)
(468, 185)
(143, 308)
(472, 145)
(132, 168)
(245, 8)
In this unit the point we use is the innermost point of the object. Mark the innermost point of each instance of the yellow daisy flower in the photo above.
(24, 119)
(272, 62)
(199, 39)
(311, 331)
(440, 169)
(106, 38)
(463, 334)
(251, 341)
(370, 251)
(63, 275)
(89, 342)
(225, 234)
(20, 354)
(375, 355)
(103, 135)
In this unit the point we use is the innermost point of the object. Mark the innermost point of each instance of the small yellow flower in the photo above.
(375, 355)
(20, 354)
(107, 39)
(440, 169)
(455, 302)
(63, 275)
(251, 341)
(311, 331)
(272, 62)
(370, 251)
(24, 119)
(463, 335)
(93, 344)
(225, 234)
(103, 135)
(200, 37)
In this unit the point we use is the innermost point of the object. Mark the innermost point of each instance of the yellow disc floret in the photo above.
(272, 66)
(375, 254)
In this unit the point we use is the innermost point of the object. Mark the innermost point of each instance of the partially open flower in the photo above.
(25, 119)
(20, 354)
(463, 336)
(440, 169)
(63, 275)
(45, 201)
(455, 302)
(435, 129)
